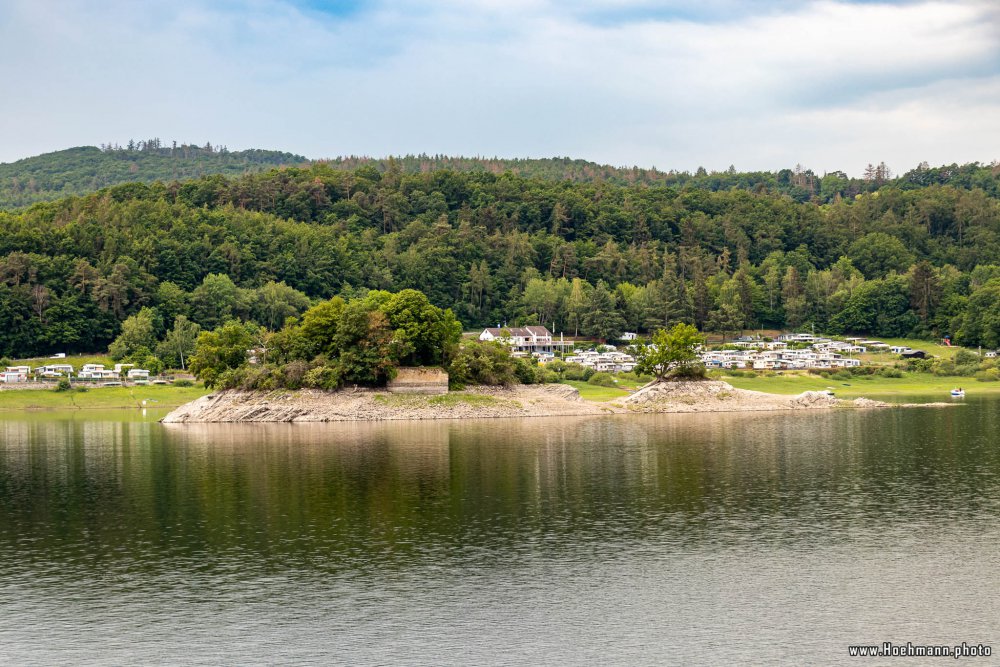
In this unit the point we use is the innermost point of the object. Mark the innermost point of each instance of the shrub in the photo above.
(525, 371)
(487, 363)
(63, 385)
(294, 374)
(634, 377)
(183, 382)
(578, 372)
(264, 378)
(557, 366)
(322, 377)
(943, 367)
(689, 372)
(965, 358)
(602, 380)
(546, 375)
(989, 375)
(840, 375)
(888, 372)
(920, 365)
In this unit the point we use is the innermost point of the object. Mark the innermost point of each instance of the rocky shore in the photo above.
(553, 400)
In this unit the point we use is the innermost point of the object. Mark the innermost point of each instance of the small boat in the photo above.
(958, 393)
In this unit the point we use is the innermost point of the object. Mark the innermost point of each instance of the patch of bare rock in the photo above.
(309, 405)
(716, 396)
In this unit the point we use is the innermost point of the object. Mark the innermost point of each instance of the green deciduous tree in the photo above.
(878, 254)
(222, 349)
(424, 329)
(179, 343)
(672, 352)
(980, 324)
(273, 303)
(216, 300)
(138, 331)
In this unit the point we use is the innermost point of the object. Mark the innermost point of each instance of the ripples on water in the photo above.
(694, 539)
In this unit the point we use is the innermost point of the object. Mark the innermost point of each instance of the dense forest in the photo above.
(82, 170)
(915, 254)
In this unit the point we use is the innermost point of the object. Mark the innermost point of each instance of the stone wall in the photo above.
(419, 381)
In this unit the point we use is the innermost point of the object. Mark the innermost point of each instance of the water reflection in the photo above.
(527, 538)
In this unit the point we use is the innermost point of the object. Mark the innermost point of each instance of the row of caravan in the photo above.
(89, 372)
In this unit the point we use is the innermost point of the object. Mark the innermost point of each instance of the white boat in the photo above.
(958, 393)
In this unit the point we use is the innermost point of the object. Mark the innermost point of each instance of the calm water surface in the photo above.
(694, 539)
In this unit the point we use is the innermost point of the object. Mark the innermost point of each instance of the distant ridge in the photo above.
(85, 169)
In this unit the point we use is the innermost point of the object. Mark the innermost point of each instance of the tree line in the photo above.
(592, 258)
(79, 171)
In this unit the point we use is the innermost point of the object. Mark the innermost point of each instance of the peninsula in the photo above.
(550, 400)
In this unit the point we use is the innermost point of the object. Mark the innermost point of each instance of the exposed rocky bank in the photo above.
(553, 400)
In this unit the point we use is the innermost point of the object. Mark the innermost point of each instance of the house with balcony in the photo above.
(525, 340)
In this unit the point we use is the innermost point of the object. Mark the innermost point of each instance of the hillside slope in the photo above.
(85, 169)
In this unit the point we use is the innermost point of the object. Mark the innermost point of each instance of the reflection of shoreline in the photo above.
(281, 491)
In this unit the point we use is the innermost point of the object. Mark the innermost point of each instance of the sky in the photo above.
(757, 84)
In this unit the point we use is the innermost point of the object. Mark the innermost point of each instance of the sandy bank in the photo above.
(553, 400)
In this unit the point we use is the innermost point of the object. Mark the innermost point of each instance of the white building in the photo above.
(523, 339)
(15, 374)
(97, 372)
(54, 370)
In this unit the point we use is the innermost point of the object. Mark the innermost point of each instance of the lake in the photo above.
(775, 538)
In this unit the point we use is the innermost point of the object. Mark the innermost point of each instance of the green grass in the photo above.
(911, 384)
(464, 399)
(934, 348)
(591, 392)
(99, 398)
(76, 360)
(451, 399)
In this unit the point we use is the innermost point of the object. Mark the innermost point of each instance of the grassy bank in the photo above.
(595, 393)
(911, 384)
(99, 398)
(451, 399)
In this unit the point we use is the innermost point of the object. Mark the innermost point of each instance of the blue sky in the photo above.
(767, 84)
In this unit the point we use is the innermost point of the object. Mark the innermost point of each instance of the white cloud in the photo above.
(828, 84)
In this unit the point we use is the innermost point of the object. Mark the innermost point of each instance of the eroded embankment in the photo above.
(553, 400)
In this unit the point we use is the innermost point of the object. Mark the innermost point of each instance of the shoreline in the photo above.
(550, 400)
(129, 398)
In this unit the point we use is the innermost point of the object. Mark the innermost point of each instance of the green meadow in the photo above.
(100, 398)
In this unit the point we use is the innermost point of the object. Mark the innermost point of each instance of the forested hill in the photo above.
(82, 170)
(907, 256)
